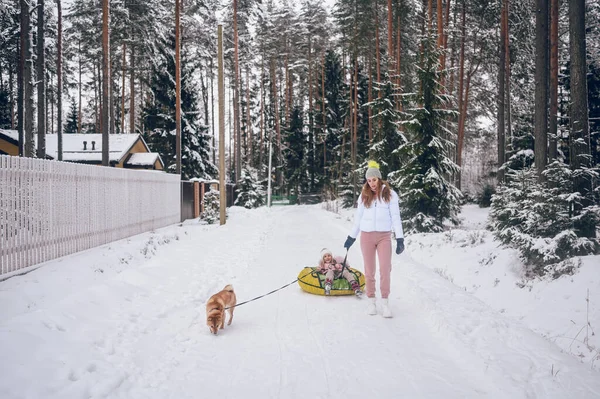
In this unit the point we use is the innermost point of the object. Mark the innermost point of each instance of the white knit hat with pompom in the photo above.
(325, 251)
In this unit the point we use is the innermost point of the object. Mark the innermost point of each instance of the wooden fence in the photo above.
(49, 209)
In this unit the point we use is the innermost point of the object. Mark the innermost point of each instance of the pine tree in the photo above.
(427, 197)
(294, 154)
(249, 192)
(388, 137)
(71, 126)
(159, 117)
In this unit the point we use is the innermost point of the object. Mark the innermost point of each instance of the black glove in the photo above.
(399, 245)
(349, 242)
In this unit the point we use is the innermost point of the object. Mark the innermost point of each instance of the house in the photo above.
(124, 150)
(9, 142)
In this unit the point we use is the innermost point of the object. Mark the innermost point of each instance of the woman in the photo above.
(377, 215)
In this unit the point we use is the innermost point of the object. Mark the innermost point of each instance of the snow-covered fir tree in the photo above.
(388, 137)
(294, 154)
(5, 111)
(159, 117)
(330, 126)
(351, 184)
(72, 119)
(212, 206)
(249, 191)
(427, 197)
(537, 217)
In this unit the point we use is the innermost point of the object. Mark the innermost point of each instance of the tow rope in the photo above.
(287, 285)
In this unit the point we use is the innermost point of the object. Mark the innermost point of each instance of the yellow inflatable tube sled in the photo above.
(311, 281)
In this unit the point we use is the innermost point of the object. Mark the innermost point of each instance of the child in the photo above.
(332, 268)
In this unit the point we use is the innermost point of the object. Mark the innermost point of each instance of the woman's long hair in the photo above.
(383, 191)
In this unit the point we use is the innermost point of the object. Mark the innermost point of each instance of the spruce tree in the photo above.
(294, 154)
(388, 137)
(71, 126)
(212, 206)
(330, 126)
(427, 197)
(249, 191)
(159, 118)
(537, 219)
(5, 117)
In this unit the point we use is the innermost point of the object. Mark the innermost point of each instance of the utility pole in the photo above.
(221, 90)
(269, 171)
(177, 87)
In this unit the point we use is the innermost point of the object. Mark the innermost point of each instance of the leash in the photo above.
(287, 285)
(269, 293)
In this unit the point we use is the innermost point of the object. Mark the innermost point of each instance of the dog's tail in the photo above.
(228, 287)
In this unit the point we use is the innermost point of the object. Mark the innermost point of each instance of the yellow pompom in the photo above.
(373, 164)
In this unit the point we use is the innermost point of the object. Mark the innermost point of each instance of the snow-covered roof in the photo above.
(12, 134)
(143, 159)
(73, 147)
(201, 180)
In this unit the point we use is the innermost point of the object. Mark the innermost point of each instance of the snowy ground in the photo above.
(127, 320)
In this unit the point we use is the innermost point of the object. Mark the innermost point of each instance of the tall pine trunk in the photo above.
(105, 80)
(132, 90)
(377, 46)
(20, 78)
(311, 120)
(398, 64)
(123, 69)
(27, 62)
(501, 97)
(276, 110)
(390, 38)
(249, 140)
(324, 113)
(541, 87)
(59, 86)
(79, 117)
(178, 86)
(212, 112)
(553, 128)
(11, 89)
(262, 114)
(507, 74)
(461, 69)
(41, 83)
(580, 133)
(236, 111)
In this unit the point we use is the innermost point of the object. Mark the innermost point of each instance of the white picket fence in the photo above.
(49, 209)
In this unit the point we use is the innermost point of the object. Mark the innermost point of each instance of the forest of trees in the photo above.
(453, 98)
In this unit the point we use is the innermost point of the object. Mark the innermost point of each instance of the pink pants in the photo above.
(379, 242)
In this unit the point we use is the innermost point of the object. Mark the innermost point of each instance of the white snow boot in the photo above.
(386, 312)
(372, 307)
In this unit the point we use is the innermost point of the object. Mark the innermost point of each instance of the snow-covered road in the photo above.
(127, 320)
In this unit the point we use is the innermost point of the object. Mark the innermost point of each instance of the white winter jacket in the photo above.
(380, 216)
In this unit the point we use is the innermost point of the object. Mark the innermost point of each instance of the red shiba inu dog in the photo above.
(215, 308)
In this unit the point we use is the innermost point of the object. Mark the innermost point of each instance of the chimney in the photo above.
(93, 145)
(84, 145)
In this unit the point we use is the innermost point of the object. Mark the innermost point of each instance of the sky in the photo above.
(127, 319)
